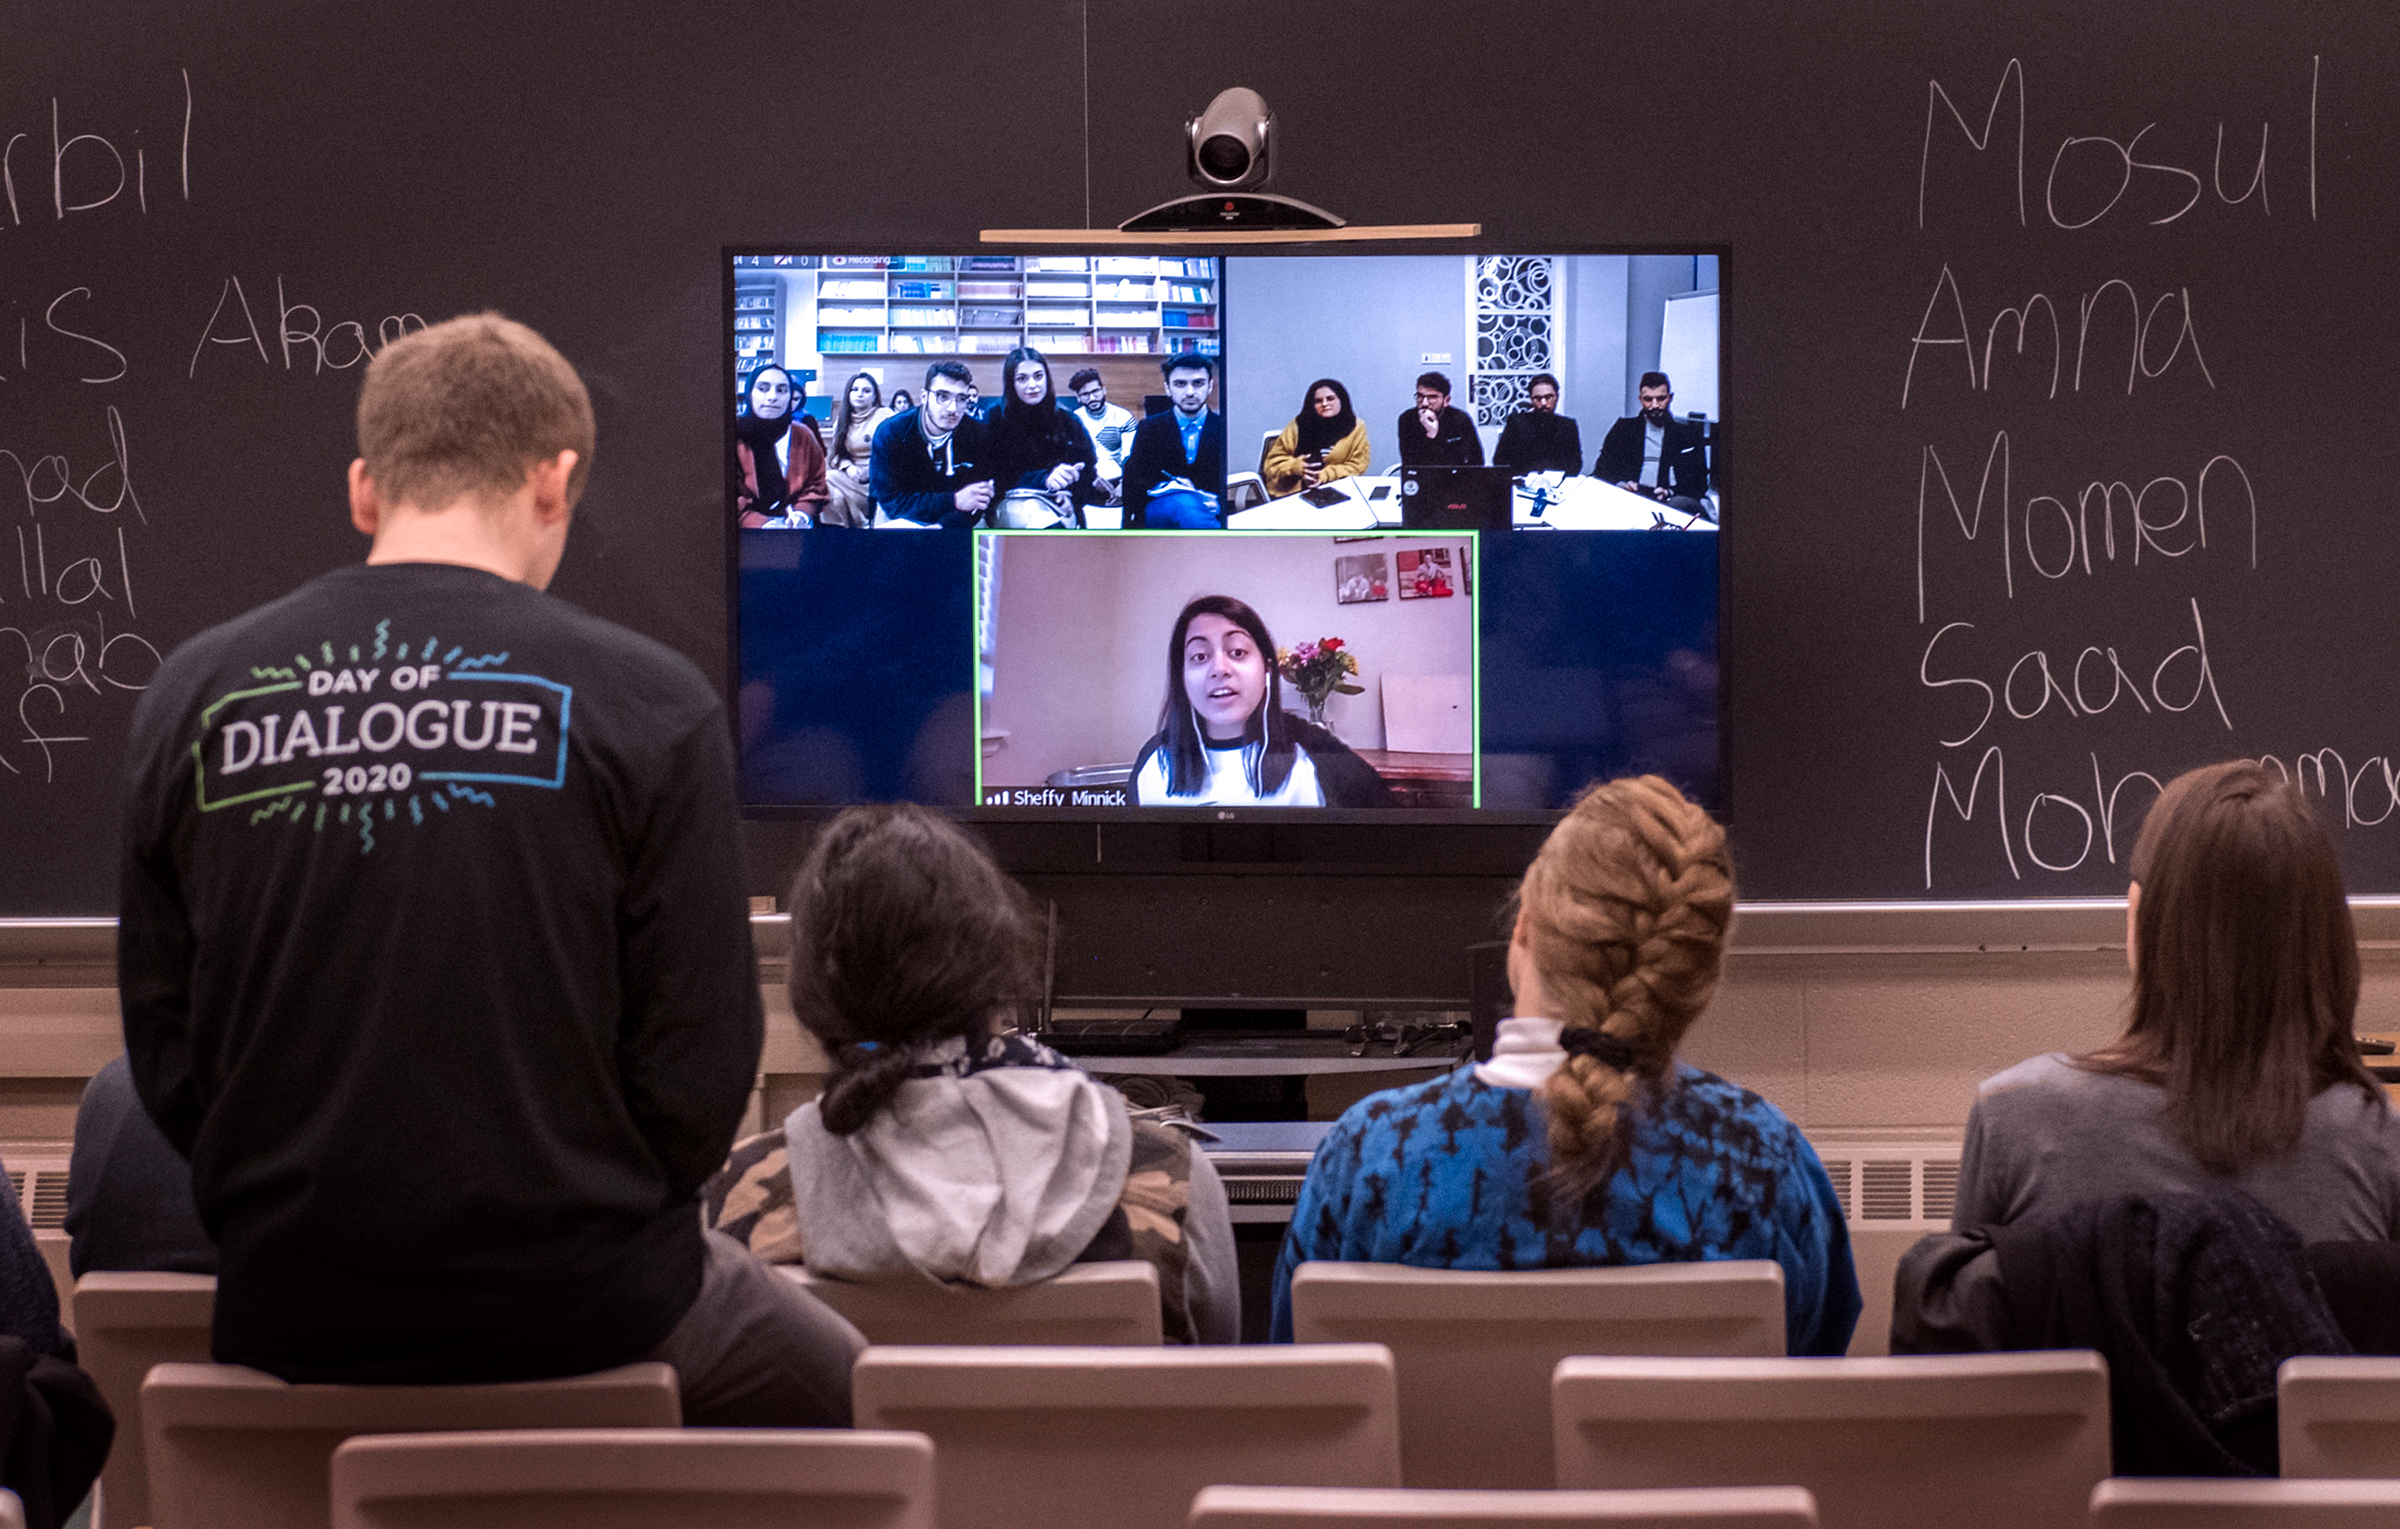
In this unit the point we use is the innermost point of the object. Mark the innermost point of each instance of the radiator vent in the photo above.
(41, 1193)
(1262, 1191)
(1893, 1186)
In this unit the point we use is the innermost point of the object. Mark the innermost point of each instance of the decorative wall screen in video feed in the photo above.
(1084, 535)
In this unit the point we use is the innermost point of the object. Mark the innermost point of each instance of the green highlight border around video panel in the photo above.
(1474, 597)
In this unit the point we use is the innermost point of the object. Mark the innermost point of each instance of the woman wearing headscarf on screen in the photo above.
(1224, 738)
(1323, 442)
(851, 451)
(776, 447)
(1038, 448)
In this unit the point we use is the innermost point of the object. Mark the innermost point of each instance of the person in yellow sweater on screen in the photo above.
(1325, 442)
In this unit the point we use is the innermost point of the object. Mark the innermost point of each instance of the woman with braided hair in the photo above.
(946, 1145)
(1583, 1141)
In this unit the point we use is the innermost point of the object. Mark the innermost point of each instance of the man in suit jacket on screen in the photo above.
(1184, 446)
(1655, 454)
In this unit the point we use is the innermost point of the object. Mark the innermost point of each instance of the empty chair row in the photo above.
(1084, 1435)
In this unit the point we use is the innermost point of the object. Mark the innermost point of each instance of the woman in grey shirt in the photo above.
(2238, 1063)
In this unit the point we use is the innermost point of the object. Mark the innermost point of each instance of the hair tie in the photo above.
(1608, 1050)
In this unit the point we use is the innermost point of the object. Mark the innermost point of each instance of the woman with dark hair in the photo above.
(1583, 1141)
(2238, 1065)
(1323, 442)
(1224, 738)
(775, 446)
(948, 1146)
(901, 401)
(851, 453)
(1037, 447)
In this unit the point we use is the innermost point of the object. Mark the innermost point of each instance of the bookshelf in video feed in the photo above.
(1386, 536)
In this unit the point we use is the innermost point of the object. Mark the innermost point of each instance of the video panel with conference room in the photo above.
(1570, 392)
(982, 619)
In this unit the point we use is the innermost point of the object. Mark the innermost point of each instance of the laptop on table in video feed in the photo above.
(1455, 498)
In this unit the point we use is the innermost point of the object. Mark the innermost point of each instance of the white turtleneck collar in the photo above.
(1525, 1053)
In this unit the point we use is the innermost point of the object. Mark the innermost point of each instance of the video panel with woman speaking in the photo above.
(1253, 670)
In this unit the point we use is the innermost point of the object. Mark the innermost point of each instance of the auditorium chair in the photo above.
(124, 1324)
(1122, 1438)
(2169, 1502)
(1101, 1303)
(609, 1478)
(1967, 1441)
(1414, 1508)
(233, 1448)
(2338, 1417)
(1475, 1350)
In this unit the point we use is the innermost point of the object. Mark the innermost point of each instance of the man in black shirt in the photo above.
(432, 953)
(929, 465)
(1539, 439)
(1435, 435)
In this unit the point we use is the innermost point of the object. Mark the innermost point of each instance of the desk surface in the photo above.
(1568, 504)
(1396, 764)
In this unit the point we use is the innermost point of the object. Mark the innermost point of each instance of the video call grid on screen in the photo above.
(1077, 670)
(1602, 659)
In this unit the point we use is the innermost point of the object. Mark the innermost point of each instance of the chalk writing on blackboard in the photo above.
(2099, 170)
(312, 346)
(2076, 522)
(93, 168)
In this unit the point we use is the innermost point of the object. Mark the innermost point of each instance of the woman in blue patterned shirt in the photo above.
(1583, 1141)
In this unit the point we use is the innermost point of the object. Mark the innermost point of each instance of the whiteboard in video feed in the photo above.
(1687, 352)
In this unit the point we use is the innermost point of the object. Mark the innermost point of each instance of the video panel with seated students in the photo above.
(947, 1146)
(1583, 1141)
(1375, 709)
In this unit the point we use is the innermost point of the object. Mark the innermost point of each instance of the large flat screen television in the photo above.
(1071, 535)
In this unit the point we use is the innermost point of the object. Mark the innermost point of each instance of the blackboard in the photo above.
(208, 214)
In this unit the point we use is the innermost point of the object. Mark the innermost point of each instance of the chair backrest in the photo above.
(611, 1478)
(1962, 1440)
(1412, 1508)
(1104, 1303)
(231, 1448)
(1080, 1438)
(124, 1324)
(1475, 1350)
(2338, 1417)
(2158, 1502)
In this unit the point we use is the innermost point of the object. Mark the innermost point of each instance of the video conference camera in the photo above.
(1230, 146)
(1229, 149)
